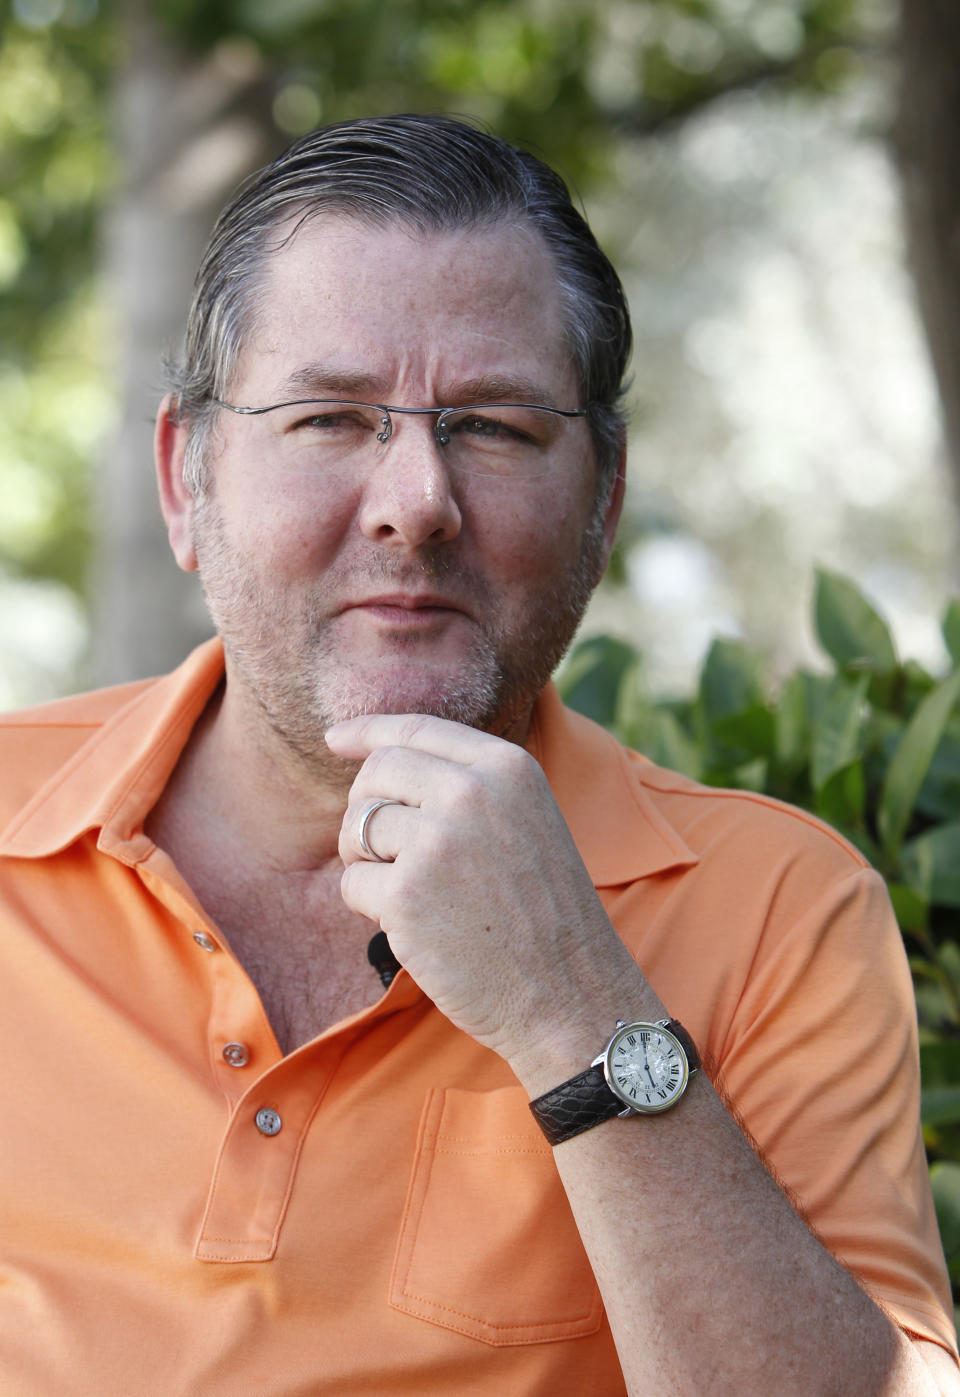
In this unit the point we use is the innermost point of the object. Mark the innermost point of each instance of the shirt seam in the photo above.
(768, 803)
(14, 724)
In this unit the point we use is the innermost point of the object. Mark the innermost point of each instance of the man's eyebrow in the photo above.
(322, 379)
(496, 388)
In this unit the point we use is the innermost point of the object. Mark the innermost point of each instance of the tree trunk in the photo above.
(187, 130)
(928, 145)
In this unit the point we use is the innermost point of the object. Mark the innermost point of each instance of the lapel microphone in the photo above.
(382, 959)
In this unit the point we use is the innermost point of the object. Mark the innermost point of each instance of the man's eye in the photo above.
(333, 422)
(491, 427)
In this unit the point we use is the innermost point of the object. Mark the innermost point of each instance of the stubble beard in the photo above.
(294, 671)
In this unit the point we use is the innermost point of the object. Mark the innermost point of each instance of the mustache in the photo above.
(380, 570)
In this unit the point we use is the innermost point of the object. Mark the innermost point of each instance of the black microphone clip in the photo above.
(382, 959)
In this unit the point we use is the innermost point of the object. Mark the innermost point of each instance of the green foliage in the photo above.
(569, 78)
(874, 748)
(55, 171)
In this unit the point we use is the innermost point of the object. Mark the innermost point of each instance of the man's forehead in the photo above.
(339, 257)
(303, 233)
(340, 301)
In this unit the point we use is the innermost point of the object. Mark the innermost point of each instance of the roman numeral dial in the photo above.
(648, 1066)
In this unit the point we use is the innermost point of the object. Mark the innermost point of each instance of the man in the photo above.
(232, 1165)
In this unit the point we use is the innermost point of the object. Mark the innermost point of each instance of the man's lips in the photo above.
(406, 608)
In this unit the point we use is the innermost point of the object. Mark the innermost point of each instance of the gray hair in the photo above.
(431, 173)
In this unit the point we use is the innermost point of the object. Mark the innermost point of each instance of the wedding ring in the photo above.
(367, 816)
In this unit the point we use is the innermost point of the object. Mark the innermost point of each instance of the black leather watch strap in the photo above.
(586, 1100)
(575, 1105)
(686, 1043)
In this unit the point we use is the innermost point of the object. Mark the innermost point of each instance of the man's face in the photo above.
(399, 584)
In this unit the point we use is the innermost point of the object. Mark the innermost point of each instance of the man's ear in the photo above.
(614, 505)
(176, 501)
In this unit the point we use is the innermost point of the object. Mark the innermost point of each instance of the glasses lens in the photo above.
(319, 437)
(499, 440)
(325, 436)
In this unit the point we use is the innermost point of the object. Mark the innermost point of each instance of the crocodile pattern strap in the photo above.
(575, 1105)
(586, 1100)
(686, 1043)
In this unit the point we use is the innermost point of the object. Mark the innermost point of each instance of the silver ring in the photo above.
(365, 819)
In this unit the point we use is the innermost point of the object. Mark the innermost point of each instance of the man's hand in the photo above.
(484, 897)
(488, 904)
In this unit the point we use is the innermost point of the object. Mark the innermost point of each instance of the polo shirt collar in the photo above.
(619, 831)
(118, 775)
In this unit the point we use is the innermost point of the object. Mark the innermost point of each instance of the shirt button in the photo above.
(203, 941)
(268, 1122)
(237, 1054)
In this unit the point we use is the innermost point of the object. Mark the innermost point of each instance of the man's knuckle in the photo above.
(375, 762)
(412, 727)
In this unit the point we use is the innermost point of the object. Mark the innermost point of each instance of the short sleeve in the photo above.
(821, 1061)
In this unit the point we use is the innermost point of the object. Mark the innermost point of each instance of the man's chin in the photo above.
(470, 696)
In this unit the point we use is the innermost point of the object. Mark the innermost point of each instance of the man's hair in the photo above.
(429, 173)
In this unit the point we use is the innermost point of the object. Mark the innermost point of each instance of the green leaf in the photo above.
(945, 1183)
(591, 678)
(940, 1106)
(841, 799)
(729, 681)
(750, 776)
(911, 910)
(950, 959)
(914, 682)
(911, 762)
(922, 969)
(931, 864)
(792, 734)
(939, 797)
(950, 626)
(817, 691)
(752, 731)
(658, 735)
(933, 1003)
(836, 738)
(848, 627)
(940, 1062)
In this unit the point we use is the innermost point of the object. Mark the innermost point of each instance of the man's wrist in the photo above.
(557, 1046)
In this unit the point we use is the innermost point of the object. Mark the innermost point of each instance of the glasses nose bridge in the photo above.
(441, 436)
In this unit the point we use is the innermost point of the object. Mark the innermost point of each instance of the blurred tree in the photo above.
(188, 122)
(122, 130)
(928, 146)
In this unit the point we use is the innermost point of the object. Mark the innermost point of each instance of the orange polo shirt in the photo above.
(395, 1222)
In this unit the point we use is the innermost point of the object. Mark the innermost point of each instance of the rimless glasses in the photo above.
(320, 435)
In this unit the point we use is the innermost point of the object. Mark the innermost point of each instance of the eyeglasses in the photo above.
(499, 439)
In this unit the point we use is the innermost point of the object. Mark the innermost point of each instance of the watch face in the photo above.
(646, 1067)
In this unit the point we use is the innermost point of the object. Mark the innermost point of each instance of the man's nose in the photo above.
(408, 494)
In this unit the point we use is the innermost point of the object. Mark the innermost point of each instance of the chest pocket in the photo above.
(488, 1246)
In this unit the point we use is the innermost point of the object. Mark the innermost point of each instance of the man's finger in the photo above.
(363, 888)
(399, 773)
(358, 737)
(372, 829)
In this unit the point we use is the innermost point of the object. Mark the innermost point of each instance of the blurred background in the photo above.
(777, 180)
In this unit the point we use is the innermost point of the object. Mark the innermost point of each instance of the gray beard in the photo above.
(303, 691)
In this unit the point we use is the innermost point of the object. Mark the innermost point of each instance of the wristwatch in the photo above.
(643, 1070)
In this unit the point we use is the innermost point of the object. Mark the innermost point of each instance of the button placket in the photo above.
(238, 1034)
(258, 1156)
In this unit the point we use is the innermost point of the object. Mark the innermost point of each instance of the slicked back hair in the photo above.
(429, 173)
